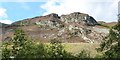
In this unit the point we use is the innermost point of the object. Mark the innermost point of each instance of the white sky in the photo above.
(3, 16)
(101, 10)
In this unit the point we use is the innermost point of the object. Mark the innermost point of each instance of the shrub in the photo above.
(56, 50)
(83, 54)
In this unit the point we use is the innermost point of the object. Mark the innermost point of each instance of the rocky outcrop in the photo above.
(73, 17)
(79, 18)
(74, 27)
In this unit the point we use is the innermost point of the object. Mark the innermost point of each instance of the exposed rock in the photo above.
(74, 27)
(53, 15)
(80, 18)
(91, 21)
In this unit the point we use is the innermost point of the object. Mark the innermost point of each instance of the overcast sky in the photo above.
(15, 10)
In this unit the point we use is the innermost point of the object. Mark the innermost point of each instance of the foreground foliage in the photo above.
(55, 49)
(111, 44)
(21, 47)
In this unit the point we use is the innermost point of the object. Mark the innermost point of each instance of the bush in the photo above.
(56, 50)
(32, 50)
(83, 54)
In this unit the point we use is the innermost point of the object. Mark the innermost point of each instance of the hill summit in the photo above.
(73, 17)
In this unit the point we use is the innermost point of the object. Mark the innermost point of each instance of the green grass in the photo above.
(75, 48)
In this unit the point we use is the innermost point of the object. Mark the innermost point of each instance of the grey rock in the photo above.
(79, 17)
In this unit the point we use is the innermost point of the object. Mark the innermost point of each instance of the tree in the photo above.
(6, 52)
(21, 47)
(19, 41)
(111, 43)
(33, 50)
(13, 46)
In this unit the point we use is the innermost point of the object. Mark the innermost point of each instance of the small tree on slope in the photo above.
(111, 43)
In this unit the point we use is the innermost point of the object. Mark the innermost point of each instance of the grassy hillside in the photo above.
(75, 48)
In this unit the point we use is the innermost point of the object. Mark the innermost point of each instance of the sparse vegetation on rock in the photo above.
(77, 26)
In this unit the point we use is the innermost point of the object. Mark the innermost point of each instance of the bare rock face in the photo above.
(79, 18)
(53, 15)
(91, 21)
(74, 27)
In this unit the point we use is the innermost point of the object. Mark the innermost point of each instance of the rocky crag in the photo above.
(73, 27)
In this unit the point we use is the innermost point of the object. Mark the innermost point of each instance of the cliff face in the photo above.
(74, 27)
(79, 18)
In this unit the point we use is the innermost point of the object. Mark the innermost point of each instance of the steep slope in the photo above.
(74, 27)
